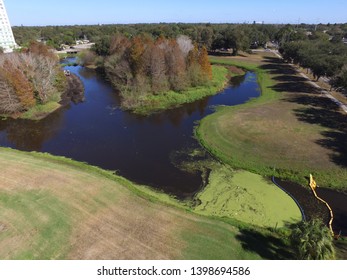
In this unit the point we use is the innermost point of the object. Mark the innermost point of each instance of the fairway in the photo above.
(55, 208)
(290, 131)
(247, 197)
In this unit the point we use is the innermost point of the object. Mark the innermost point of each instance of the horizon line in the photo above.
(178, 22)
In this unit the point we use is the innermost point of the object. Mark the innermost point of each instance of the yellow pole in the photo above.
(313, 186)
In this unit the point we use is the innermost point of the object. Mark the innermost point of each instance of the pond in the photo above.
(139, 148)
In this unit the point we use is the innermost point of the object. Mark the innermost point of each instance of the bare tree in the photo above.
(185, 44)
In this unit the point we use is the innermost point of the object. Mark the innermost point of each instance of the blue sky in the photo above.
(65, 12)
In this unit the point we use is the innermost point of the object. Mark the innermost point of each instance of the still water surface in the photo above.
(138, 148)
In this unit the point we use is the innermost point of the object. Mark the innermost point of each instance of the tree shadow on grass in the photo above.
(267, 246)
(318, 109)
(336, 142)
(278, 69)
(287, 77)
(295, 86)
(275, 66)
(322, 111)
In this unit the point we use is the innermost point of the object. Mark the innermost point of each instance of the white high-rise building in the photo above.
(7, 42)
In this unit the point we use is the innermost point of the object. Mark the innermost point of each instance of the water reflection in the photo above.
(31, 135)
(236, 81)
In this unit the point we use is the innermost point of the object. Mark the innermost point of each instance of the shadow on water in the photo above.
(237, 81)
(31, 135)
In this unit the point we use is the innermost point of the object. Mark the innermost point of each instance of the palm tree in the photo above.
(312, 241)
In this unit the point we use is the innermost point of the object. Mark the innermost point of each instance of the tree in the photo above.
(205, 64)
(158, 69)
(102, 47)
(9, 102)
(312, 241)
(339, 80)
(40, 49)
(27, 79)
(136, 53)
(237, 38)
(176, 65)
(20, 84)
(185, 44)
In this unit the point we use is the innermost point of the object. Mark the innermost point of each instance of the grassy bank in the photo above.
(171, 99)
(283, 132)
(37, 112)
(56, 208)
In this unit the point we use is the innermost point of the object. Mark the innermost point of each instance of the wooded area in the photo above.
(320, 44)
(141, 66)
(30, 77)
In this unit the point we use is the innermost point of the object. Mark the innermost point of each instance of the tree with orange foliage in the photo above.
(9, 102)
(137, 50)
(27, 79)
(176, 66)
(204, 62)
(20, 84)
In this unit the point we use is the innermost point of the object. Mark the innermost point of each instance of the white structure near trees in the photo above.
(7, 42)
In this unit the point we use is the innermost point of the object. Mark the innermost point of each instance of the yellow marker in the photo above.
(313, 183)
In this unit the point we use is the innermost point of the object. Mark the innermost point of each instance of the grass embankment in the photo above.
(55, 208)
(37, 112)
(290, 131)
(171, 99)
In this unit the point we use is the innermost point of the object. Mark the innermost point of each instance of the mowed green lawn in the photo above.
(290, 131)
(54, 208)
(247, 197)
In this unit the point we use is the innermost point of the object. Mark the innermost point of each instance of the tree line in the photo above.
(317, 47)
(212, 36)
(321, 56)
(28, 78)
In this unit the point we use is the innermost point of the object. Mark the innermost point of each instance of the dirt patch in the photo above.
(119, 233)
(2, 227)
(236, 70)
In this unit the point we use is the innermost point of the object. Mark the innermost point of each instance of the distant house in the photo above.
(344, 40)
